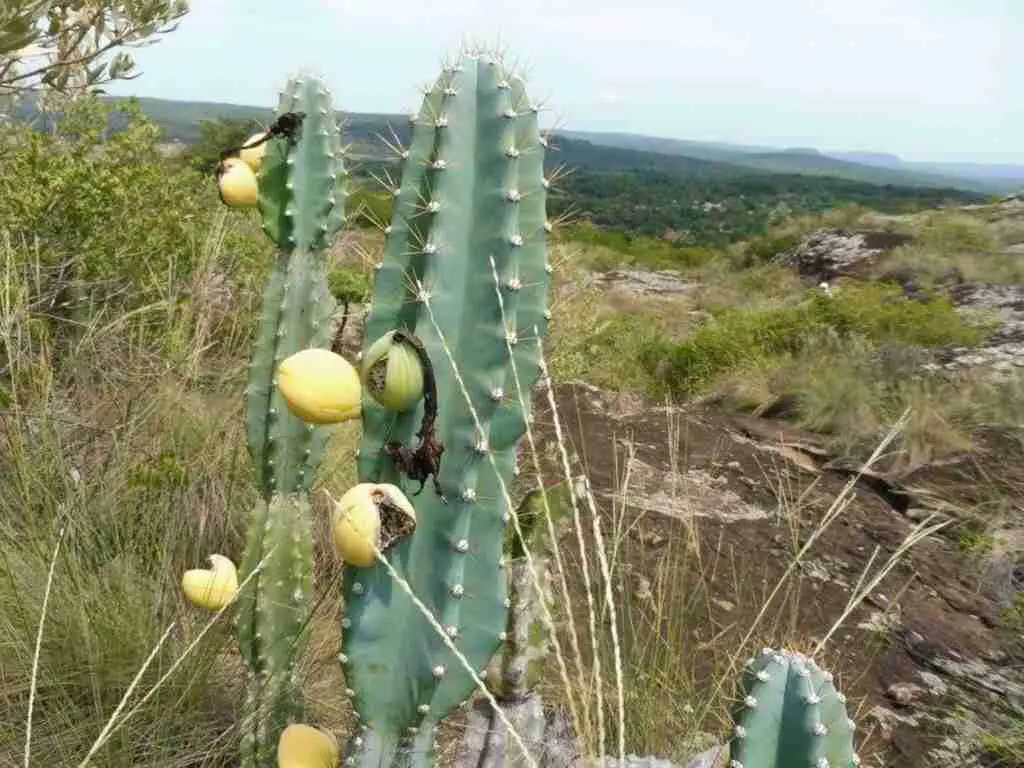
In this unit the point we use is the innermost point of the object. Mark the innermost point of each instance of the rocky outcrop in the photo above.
(666, 282)
(1005, 301)
(830, 253)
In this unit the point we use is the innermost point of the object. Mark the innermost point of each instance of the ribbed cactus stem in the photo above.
(472, 188)
(273, 625)
(301, 200)
(516, 669)
(790, 715)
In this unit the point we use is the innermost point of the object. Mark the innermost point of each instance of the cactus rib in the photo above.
(472, 189)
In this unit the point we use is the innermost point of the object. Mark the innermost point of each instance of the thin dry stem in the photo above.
(39, 645)
(436, 625)
(605, 573)
(556, 549)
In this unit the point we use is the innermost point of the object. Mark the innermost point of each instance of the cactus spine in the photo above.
(472, 190)
(302, 202)
(790, 716)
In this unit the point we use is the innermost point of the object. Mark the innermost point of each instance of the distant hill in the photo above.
(691, 193)
(998, 172)
(869, 167)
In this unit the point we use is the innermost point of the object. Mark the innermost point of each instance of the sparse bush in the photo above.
(608, 250)
(953, 233)
(741, 337)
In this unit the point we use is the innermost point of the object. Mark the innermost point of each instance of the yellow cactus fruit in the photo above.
(320, 386)
(392, 373)
(303, 746)
(211, 588)
(253, 155)
(369, 517)
(237, 184)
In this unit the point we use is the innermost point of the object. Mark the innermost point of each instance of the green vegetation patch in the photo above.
(740, 337)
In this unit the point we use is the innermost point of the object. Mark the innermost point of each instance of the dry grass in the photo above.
(126, 431)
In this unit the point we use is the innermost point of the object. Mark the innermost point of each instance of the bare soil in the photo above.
(938, 620)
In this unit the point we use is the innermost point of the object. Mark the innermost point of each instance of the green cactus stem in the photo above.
(790, 716)
(516, 669)
(301, 200)
(472, 191)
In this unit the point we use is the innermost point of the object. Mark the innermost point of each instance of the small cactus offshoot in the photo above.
(790, 715)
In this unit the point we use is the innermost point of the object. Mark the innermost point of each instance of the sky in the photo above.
(924, 79)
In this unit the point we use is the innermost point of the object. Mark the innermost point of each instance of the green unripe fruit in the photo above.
(393, 374)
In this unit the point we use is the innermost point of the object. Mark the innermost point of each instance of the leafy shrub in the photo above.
(215, 136)
(610, 250)
(111, 207)
(347, 285)
(742, 337)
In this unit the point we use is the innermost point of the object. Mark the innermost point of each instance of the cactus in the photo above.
(790, 716)
(301, 201)
(516, 669)
(472, 190)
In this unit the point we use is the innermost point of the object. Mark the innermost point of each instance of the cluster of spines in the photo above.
(471, 203)
(303, 188)
(790, 714)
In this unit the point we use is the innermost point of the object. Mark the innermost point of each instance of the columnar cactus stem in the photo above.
(790, 714)
(301, 200)
(472, 187)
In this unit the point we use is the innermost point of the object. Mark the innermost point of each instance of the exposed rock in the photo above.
(829, 253)
(548, 736)
(933, 683)
(1006, 301)
(978, 673)
(694, 493)
(904, 694)
(664, 282)
(887, 721)
(881, 622)
(714, 757)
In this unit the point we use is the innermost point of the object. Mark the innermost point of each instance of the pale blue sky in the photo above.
(926, 79)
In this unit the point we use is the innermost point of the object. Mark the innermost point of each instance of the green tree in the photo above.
(72, 46)
(217, 135)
